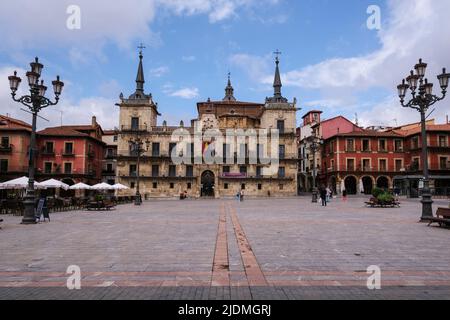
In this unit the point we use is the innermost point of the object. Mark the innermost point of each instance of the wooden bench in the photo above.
(442, 218)
(376, 204)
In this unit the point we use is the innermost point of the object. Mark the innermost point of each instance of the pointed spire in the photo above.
(140, 74)
(277, 96)
(229, 90)
(277, 80)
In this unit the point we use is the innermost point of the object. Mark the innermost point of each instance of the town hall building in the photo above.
(153, 171)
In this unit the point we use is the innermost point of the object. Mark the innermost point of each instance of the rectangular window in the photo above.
(383, 165)
(226, 169)
(68, 148)
(443, 163)
(135, 123)
(189, 185)
(350, 164)
(281, 186)
(5, 142)
(225, 186)
(258, 172)
(366, 165)
(415, 143)
(110, 153)
(260, 151)
(48, 167)
(259, 186)
(172, 146)
(172, 185)
(280, 126)
(109, 167)
(189, 171)
(67, 168)
(398, 145)
(243, 186)
(132, 185)
(350, 145)
(382, 146)
(398, 165)
(366, 145)
(281, 172)
(115, 138)
(49, 147)
(282, 151)
(3, 165)
(133, 170)
(155, 171)
(155, 149)
(243, 170)
(443, 141)
(155, 185)
(172, 171)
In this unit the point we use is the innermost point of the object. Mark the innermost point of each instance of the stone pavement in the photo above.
(222, 249)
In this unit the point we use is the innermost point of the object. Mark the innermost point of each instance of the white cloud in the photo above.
(186, 93)
(159, 72)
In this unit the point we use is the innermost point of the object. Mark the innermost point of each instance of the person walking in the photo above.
(328, 190)
(344, 195)
(242, 195)
(323, 196)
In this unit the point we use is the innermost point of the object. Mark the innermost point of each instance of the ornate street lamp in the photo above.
(137, 149)
(315, 144)
(422, 101)
(35, 102)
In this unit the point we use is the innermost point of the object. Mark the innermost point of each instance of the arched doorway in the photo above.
(208, 184)
(351, 185)
(383, 183)
(368, 185)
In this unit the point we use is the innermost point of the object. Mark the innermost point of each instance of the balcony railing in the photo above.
(68, 153)
(143, 128)
(47, 152)
(5, 148)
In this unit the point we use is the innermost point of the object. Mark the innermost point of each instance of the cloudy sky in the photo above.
(330, 59)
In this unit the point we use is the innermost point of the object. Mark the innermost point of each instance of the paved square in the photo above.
(258, 249)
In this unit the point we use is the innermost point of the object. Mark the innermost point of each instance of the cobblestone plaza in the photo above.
(207, 249)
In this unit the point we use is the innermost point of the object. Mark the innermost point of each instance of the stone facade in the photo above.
(236, 167)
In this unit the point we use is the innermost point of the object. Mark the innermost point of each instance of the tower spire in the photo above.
(277, 80)
(140, 74)
(229, 90)
(277, 96)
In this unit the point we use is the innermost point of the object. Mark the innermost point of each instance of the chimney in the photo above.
(94, 121)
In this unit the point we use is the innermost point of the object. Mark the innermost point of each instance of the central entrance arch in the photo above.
(208, 183)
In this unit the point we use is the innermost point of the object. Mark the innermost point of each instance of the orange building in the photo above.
(14, 145)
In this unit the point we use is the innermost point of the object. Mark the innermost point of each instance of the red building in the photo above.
(71, 153)
(388, 159)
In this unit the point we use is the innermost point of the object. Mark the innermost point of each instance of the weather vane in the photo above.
(277, 54)
(141, 46)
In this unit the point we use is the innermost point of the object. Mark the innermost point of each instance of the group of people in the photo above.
(240, 196)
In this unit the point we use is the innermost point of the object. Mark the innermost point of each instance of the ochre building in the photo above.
(242, 163)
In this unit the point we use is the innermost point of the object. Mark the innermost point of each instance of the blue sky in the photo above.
(330, 59)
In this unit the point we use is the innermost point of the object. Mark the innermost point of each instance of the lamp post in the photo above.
(422, 101)
(315, 143)
(35, 102)
(137, 148)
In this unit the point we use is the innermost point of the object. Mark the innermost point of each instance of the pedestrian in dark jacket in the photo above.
(323, 196)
